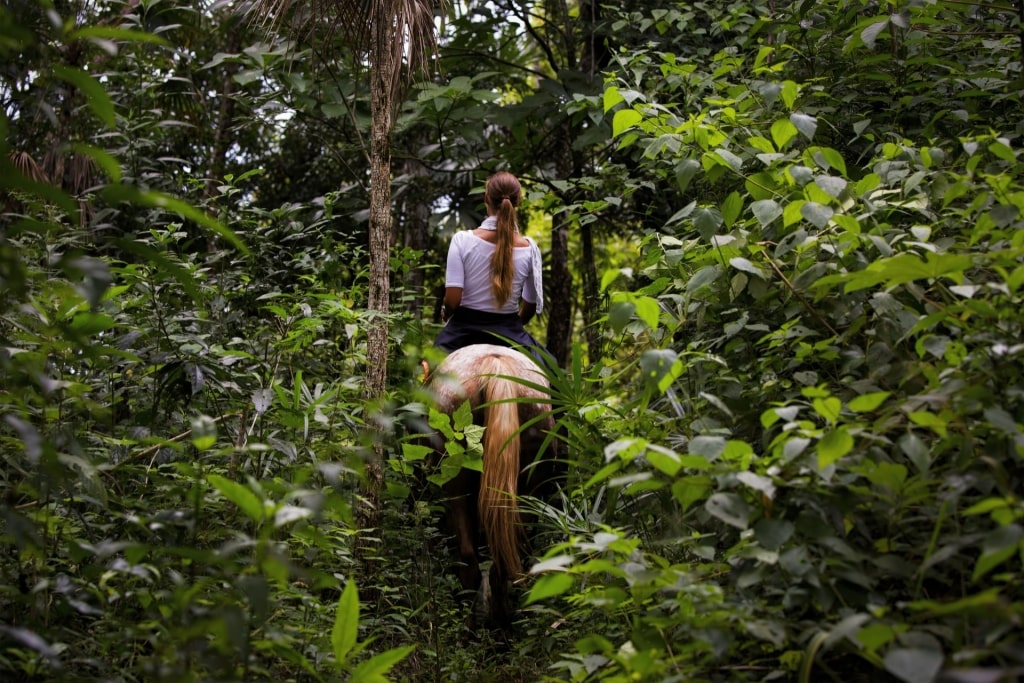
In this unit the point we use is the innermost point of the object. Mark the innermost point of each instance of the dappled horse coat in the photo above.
(507, 391)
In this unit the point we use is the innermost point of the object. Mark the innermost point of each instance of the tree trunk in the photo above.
(368, 512)
(560, 290)
(591, 295)
(225, 114)
(415, 228)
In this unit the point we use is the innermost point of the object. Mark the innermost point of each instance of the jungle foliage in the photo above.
(792, 390)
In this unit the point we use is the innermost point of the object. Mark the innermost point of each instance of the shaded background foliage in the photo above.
(783, 257)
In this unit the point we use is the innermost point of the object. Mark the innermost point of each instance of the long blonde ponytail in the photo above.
(503, 195)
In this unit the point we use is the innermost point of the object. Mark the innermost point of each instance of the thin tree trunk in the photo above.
(415, 226)
(225, 114)
(591, 295)
(560, 287)
(369, 507)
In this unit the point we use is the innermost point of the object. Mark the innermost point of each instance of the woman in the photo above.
(493, 282)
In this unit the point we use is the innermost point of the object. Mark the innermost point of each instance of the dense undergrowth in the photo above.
(795, 440)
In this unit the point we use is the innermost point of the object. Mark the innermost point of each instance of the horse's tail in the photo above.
(497, 507)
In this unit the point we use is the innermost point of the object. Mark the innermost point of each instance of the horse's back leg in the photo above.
(500, 607)
(462, 517)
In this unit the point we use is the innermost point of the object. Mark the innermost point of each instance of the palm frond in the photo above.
(403, 30)
(28, 167)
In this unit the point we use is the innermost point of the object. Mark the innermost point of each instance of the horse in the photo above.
(507, 392)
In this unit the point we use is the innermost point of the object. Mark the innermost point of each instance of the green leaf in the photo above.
(804, 123)
(905, 267)
(660, 367)
(773, 533)
(685, 170)
(727, 158)
(204, 429)
(731, 208)
(374, 669)
(988, 505)
(876, 635)
(830, 184)
(111, 33)
(441, 422)
(932, 421)
(890, 475)
(1003, 151)
(834, 445)
(916, 450)
(625, 119)
(87, 324)
(549, 586)
(239, 494)
(95, 94)
(766, 211)
(830, 158)
(612, 96)
(730, 508)
(462, 417)
(1000, 545)
(648, 310)
(740, 263)
(345, 631)
(619, 315)
(816, 214)
(689, 490)
(663, 459)
(702, 277)
(707, 220)
(612, 274)
(913, 665)
(829, 408)
(782, 132)
(865, 403)
(414, 452)
(158, 200)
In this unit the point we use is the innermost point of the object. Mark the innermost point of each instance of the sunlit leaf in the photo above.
(624, 119)
(865, 403)
(834, 445)
(783, 131)
(345, 631)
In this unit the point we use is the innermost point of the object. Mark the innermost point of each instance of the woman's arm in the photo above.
(526, 311)
(452, 299)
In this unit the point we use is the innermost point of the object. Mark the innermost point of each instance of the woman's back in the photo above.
(469, 267)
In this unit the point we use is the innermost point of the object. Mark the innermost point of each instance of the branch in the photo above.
(153, 450)
(797, 294)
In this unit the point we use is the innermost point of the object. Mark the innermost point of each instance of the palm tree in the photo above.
(390, 40)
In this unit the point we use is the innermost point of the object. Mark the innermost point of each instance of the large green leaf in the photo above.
(239, 494)
(345, 631)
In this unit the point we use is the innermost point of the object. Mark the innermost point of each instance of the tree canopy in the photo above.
(784, 263)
